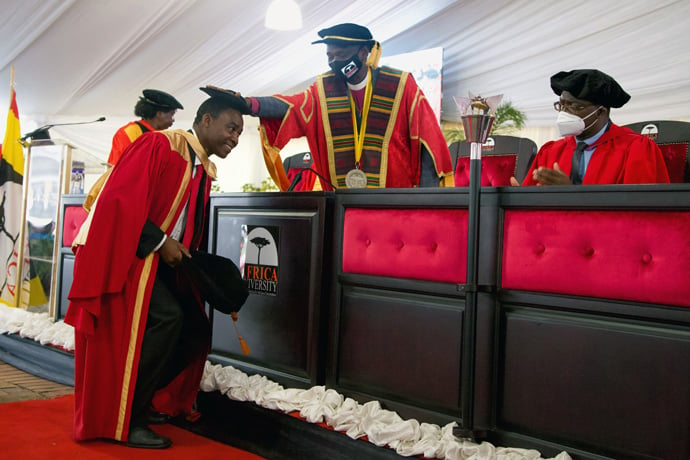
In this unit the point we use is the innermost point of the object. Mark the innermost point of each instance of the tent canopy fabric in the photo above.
(77, 60)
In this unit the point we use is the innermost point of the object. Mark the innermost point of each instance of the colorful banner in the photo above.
(11, 178)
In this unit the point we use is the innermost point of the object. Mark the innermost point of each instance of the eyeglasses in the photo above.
(569, 106)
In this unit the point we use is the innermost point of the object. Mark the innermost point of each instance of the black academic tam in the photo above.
(217, 279)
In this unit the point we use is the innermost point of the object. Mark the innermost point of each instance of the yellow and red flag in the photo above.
(11, 178)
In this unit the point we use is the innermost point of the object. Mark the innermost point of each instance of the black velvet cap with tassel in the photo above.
(219, 283)
(217, 279)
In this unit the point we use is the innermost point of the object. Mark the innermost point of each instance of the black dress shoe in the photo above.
(157, 418)
(144, 437)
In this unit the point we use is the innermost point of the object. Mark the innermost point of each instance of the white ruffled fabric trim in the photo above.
(316, 404)
(37, 326)
(382, 427)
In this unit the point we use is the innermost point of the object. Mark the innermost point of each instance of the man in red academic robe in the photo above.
(594, 149)
(156, 110)
(141, 333)
(366, 126)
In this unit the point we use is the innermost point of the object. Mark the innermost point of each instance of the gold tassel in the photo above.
(374, 56)
(243, 344)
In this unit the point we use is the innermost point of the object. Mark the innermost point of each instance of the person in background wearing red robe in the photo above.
(157, 112)
(366, 126)
(594, 149)
(141, 331)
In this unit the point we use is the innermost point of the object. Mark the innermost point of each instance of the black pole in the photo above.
(470, 320)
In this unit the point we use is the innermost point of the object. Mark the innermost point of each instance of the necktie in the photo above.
(199, 210)
(575, 176)
(195, 209)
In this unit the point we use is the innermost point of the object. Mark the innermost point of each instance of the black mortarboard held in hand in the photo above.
(217, 279)
(220, 283)
(590, 85)
(232, 98)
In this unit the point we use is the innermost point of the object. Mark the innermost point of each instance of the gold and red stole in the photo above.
(334, 98)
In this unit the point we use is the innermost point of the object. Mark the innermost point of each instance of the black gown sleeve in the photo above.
(270, 107)
(151, 235)
(428, 176)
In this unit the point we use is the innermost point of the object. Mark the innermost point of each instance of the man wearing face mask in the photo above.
(367, 126)
(594, 150)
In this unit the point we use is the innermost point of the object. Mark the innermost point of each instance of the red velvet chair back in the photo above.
(294, 164)
(502, 157)
(673, 138)
(73, 218)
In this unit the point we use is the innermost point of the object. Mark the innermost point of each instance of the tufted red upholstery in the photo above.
(424, 244)
(502, 157)
(608, 254)
(74, 217)
(496, 170)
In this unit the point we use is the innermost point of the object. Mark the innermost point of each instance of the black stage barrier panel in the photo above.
(281, 243)
(396, 327)
(598, 377)
(582, 323)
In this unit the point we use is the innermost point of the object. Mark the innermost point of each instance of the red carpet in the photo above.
(42, 429)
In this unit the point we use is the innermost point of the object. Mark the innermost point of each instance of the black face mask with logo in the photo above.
(346, 69)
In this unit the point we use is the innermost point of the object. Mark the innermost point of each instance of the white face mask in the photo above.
(572, 125)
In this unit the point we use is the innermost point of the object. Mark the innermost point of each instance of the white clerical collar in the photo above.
(361, 85)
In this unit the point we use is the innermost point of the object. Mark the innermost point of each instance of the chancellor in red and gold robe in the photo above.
(621, 156)
(110, 295)
(400, 125)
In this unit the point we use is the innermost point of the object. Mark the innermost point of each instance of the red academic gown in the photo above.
(622, 156)
(110, 293)
(400, 122)
(124, 137)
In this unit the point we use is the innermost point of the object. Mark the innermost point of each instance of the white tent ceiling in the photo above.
(77, 60)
